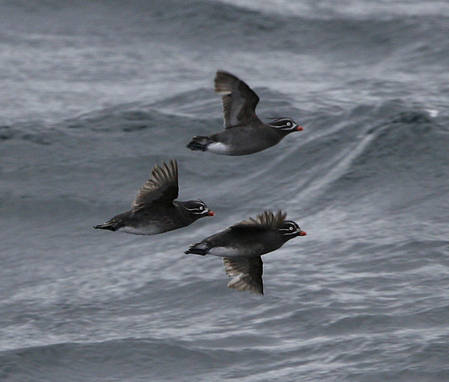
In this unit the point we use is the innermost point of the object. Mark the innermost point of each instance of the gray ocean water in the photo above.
(93, 94)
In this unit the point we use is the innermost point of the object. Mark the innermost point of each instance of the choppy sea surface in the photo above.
(93, 94)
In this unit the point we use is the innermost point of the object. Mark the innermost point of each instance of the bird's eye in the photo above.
(289, 124)
(201, 208)
(291, 228)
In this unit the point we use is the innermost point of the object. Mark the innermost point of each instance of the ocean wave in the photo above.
(125, 358)
(336, 148)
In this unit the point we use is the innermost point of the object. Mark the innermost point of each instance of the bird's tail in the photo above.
(199, 143)
(109, 225)
(198, 249)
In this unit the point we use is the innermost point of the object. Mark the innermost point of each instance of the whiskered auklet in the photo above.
(244, 132)
(154, 210)
(242, 245)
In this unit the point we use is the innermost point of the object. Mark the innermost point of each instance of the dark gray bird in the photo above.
(242, 245)
(155, 210)
(244, 132)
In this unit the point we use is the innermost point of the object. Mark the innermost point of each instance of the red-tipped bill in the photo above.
(211, 213)
(299, 128)
(302, 233)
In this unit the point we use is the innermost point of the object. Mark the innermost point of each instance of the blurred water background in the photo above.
(94, 93)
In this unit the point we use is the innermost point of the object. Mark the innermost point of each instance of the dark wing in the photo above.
(239, 100)
(264, 221)
(161, 187)
(245, 273)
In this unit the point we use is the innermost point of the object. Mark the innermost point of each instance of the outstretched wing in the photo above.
(266, 220)
(239, 100)
(162, 186)
(245, 273)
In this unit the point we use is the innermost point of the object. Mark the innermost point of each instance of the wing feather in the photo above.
(239, 100)
(245, 273)
(162, 186)
(266, 220)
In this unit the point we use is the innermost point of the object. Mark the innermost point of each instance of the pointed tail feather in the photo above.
(108, 225)
(198, 249)
(199, 143)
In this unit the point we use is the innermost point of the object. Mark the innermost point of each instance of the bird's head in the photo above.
(290, 229)
(285, 125)
(197, 209)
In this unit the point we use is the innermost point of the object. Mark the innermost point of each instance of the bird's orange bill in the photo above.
(299, 128)
(302, 233)
(211, 213)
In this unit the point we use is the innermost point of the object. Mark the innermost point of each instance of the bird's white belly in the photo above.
(225, 252)
(142, 230)
(218, 148)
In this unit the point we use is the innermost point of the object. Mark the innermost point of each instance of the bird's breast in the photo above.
(225, 252)
(149, 229)
(234, 252)
(219, 148)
